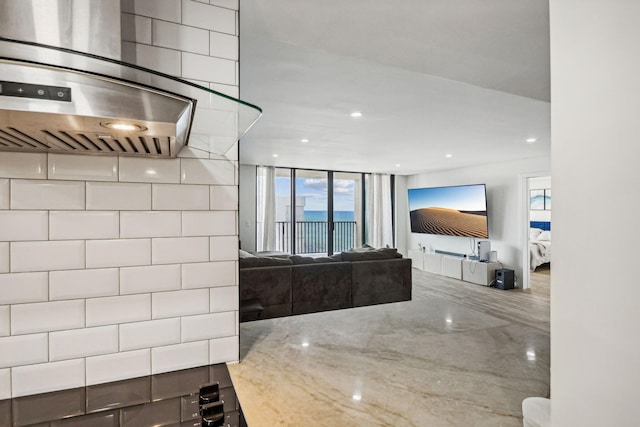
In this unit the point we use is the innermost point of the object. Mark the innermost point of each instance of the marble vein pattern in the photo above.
(427, 362)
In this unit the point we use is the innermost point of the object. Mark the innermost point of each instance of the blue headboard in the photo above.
(543, 225)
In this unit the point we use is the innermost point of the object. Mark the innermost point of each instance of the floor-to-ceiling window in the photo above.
(348, 224)
(314, 212)
(304, 211)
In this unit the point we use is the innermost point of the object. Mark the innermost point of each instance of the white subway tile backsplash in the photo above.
(149, 334)
(223, 248)
(224, 197)
(150, 224)
(208, 274)
(157, 278)
(28, 380)
(47, 316)
(229, 90)
(23, 288)
(180, 356)
(83, 225)
(180, 303)
(156, 58)
(221, 223)
(4, 193)
(202, 67)
(193, 153)
(5, 319)
(135, 28)
(118, 366)
(5, 384)
(121, 309)
(118, 253)
(133, 169)
(85, 168)
(83, 342)
(118, 196)
(180, 197)
(72, 284)
(23, 350)
(181, 37)
(229, 4)
(223, 45)
(214, 172)
(36, 194)
(168, 10)
(206, 326)
(47, 256)
(224, 350)
(233, 154)
(174, 250)
(24, 165)
(4, 257)
(24, 225)
(224, 299)
(209, 17)
(119, 267)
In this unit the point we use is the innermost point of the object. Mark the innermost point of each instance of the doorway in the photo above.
(537, 233)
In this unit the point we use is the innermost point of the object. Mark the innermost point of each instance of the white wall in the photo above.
(505, 205)
(107, 272)
(595, 292)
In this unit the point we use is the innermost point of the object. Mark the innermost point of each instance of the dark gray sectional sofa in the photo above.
(292, 285)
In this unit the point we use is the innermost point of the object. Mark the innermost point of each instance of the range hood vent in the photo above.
(54, 99)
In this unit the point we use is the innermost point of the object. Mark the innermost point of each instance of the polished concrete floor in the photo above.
(457, 355)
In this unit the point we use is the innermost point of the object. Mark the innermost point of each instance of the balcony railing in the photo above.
(311, 236)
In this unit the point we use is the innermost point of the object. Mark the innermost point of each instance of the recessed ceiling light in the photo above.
(448, 156)
(357, 397)
(275, 155)
(304, 140)
(531, 140)
(356, 114)
(398, 166)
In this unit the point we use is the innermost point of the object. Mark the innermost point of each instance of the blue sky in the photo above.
(463, 198)
(315, 192)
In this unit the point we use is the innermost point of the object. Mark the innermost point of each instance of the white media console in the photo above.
(480, 273)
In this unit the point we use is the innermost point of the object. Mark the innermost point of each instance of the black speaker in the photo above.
(505, 279)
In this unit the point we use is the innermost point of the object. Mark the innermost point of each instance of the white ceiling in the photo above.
(431, 77)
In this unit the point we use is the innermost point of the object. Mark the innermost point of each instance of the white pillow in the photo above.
(545, 235)
(534, 233)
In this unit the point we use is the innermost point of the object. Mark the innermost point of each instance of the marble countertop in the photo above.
(416, 363)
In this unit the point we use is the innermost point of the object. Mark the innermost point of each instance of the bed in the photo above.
(539, 244)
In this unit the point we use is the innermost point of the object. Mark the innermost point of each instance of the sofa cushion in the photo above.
(297, 260)
(368, 255)
(336, 257)
(263, 262)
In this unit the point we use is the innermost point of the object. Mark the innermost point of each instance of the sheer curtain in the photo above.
(266, 208)
(379, 224)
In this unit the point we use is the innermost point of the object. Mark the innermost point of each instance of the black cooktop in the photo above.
(168, 399)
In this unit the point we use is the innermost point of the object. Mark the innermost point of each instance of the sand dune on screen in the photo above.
(448, 221)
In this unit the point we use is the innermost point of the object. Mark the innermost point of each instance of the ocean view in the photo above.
(311, 231)
(321, 216)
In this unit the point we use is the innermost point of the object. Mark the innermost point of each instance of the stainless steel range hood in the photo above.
(56, 99)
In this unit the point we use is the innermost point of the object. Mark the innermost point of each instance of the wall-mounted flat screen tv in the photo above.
(449, 211)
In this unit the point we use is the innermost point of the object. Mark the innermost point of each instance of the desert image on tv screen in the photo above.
(451, 211)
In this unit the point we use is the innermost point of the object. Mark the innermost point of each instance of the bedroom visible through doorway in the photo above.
(540, 231)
